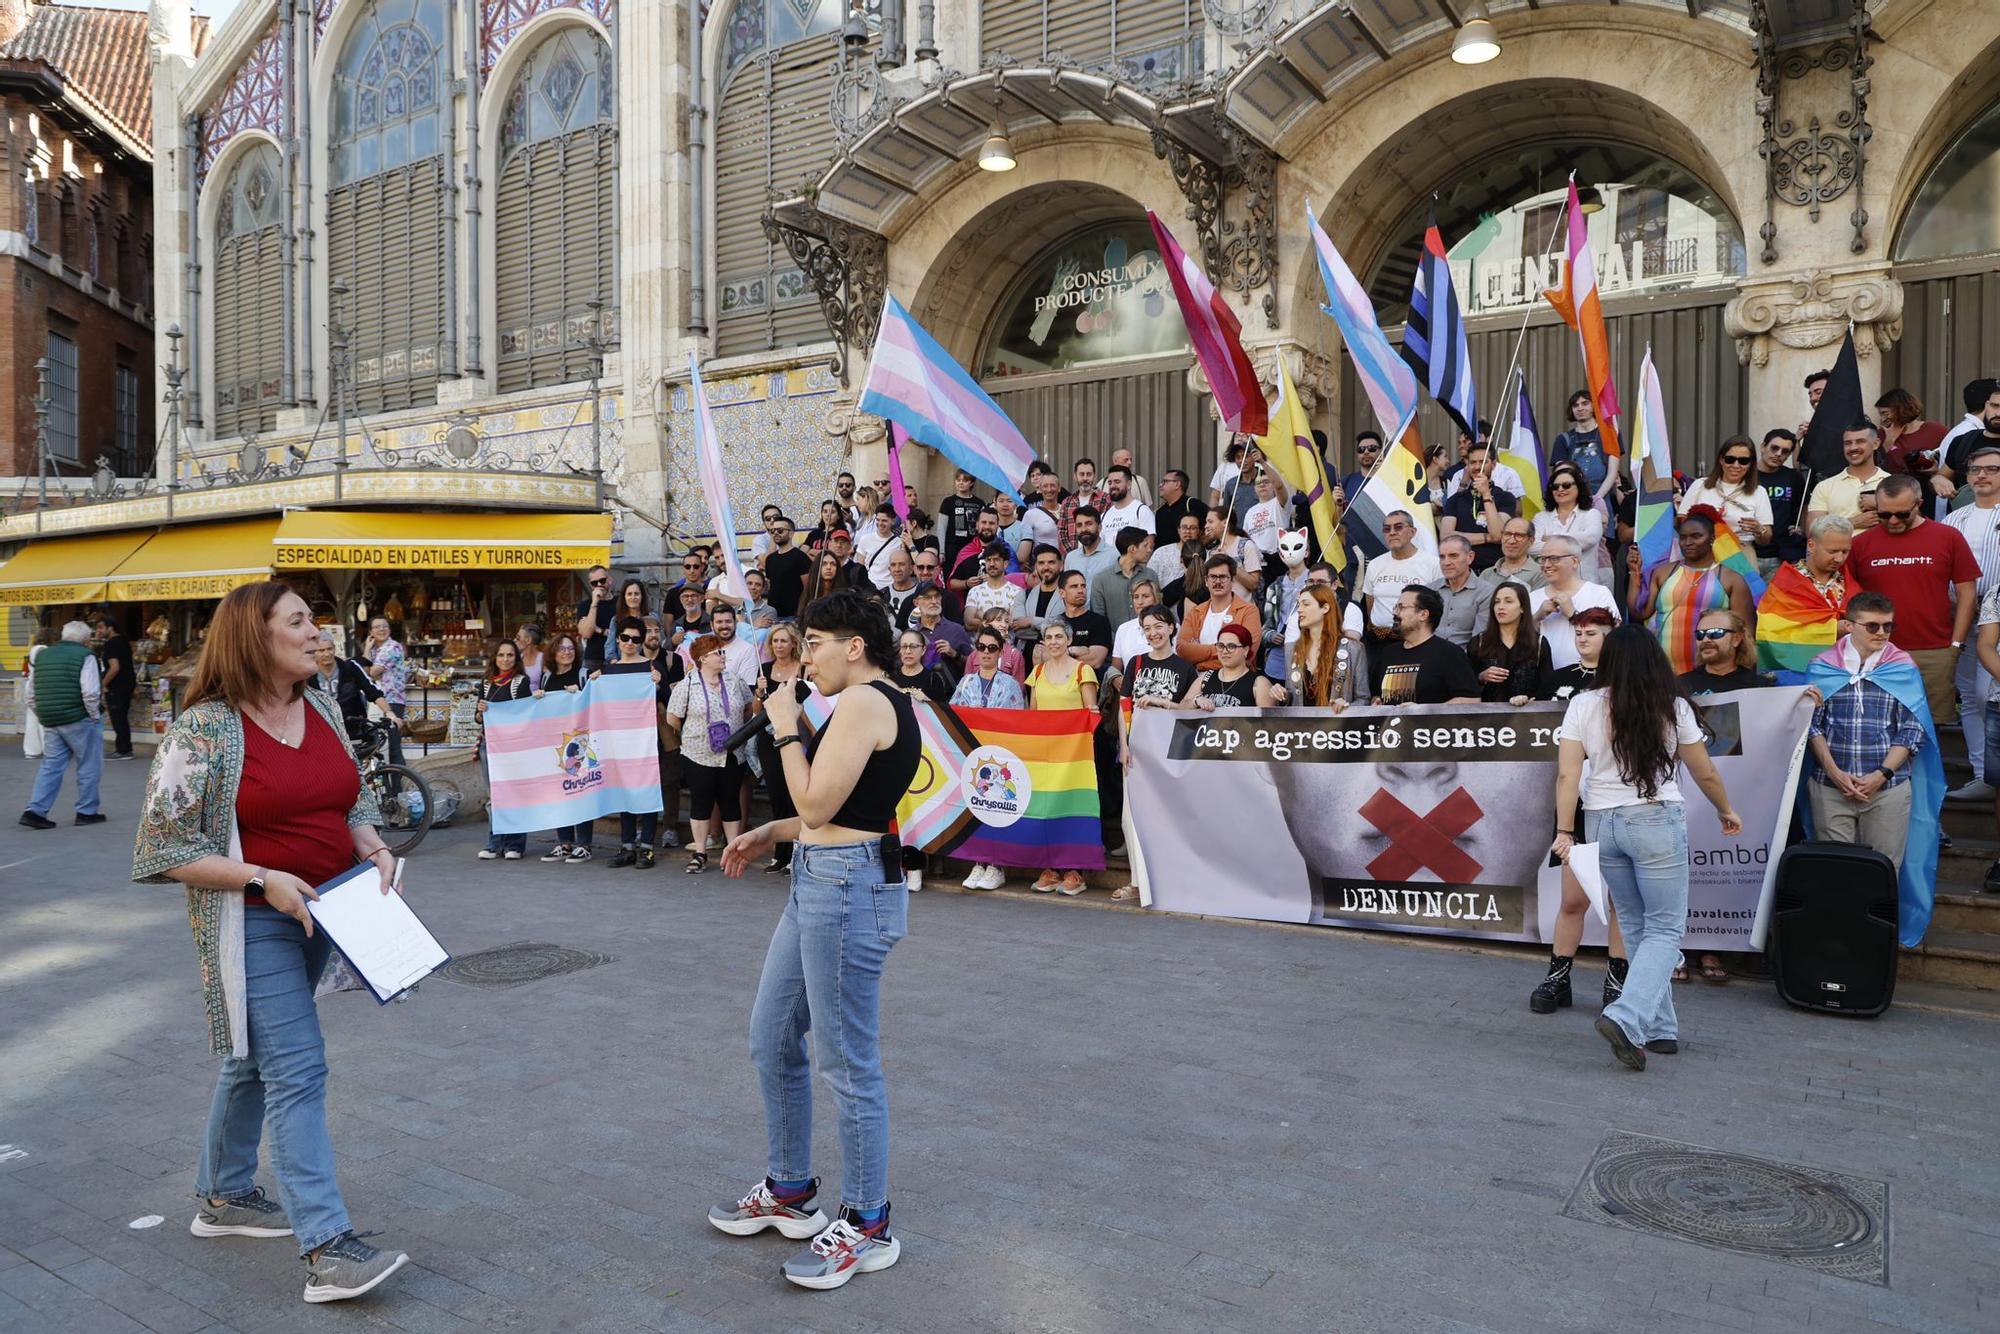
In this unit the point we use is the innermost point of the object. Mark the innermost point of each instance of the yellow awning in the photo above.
(197, 560)
(396, 540)
(60, 570)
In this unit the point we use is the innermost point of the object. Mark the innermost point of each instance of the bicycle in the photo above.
(403, 794)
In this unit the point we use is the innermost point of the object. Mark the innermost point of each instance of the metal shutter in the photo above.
(386, 242)
(1089, 32)
(556, 242)
(802, 147)
(249, 342)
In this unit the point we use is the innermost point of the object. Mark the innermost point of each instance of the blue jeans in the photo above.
(1643, 851)
(83, 741)
(824, 972)
(499, 842)
(284, 1077)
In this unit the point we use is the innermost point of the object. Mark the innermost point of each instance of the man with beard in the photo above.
(965, 571)
(1978, 429)
(1089, 556)
(957, 516)
(1722, 642)
(785, 567)
(1038, 603)
(739, 657)
(1087, 495)
(1122, 508)
(1111, 590)
(1419, 666)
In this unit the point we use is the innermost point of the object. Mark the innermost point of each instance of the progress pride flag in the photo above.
(566, 758)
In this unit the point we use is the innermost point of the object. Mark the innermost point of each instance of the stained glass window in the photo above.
(562, 88)
(252, 198)
(386, 95)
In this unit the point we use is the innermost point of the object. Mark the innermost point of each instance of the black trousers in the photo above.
(1110, 782)
(119, 703)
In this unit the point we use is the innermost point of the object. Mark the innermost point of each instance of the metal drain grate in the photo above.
(1825, 1221)
(521, 962)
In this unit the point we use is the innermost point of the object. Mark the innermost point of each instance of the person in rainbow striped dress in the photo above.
(1673, 597)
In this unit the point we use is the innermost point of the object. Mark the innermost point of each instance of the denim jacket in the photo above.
(189, 812)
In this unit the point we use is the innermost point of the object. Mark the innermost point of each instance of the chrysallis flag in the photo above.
(1217, 336)
(913, 382)
(570, 757)
(714, 485)
(1008, 787)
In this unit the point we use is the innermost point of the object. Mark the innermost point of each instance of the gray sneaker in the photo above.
(347, 1267)
(255, 1215)
(842, 1251)
(797, 1218)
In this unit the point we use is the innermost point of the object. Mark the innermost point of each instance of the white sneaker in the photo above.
(995, 877)
(1976, 791)
(489, 854)
(914, 881)
(976, 877)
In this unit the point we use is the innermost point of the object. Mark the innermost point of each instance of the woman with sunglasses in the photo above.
(1571, 515)
(1733, 490)
(1676, 593)
(565, 672)
(636, 830)
(704, 712)
(785, 669)
(504, 681)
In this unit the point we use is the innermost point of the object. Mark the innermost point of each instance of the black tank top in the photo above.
(871, 806)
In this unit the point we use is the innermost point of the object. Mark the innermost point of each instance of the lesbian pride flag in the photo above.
(566, 758)
(1217, 336)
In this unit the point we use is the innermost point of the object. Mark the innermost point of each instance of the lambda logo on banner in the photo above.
(997, 786)
(577, 755)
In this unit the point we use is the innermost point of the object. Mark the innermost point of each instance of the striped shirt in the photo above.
(1979, 525)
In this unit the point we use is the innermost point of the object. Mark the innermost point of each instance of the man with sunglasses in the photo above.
(594, 615)
(1784, 486)
(785, 569)
(1367, 453)
(1387, 576)
(1727, 661)
(1931, 575)
(1864, 736)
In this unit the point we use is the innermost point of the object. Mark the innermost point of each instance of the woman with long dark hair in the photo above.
(504, 681)
(1511, 657)
(632, 599)
(1636, 729)
(824, 578)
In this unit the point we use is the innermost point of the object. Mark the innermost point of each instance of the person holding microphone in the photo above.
(254, 798)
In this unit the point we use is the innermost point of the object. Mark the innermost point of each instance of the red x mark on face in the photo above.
(1420, 842)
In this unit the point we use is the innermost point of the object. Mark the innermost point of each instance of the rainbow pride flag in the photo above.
(1795, 623)
(1729, 554)
(1009, 787)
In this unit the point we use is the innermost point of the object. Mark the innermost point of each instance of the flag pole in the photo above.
(1521, 338)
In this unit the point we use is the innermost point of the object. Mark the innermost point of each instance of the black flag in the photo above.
(1839, 408)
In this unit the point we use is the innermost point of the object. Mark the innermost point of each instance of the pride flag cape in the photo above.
(1795, 624)
(1917, 886)
(570, 757)
(1008, 787)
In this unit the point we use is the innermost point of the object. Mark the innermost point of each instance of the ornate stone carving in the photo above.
(1806, 170)
(1242, 255)
(1814, 310)
(847, 267)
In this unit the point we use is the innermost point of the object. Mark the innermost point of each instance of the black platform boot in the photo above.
(1553, 993)
(1614, 978)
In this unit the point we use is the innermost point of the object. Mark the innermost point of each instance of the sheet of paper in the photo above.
(383, 940)
(1583, 863)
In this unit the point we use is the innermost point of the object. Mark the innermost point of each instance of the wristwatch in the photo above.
(255, 885)
(1888, 774)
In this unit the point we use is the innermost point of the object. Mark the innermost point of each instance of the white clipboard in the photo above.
(384, 942)
(1582, 862)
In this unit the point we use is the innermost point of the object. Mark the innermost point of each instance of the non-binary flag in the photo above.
(714, 485)
(1217, 336)
(1434, 337)
(1523, 453)
(1653, 462)
(913, 382)
(1385, 377)
(1578, 303)
(1292, 453)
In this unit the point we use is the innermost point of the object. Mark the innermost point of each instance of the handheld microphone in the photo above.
(761, 723)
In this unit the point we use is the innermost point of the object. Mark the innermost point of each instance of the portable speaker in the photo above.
(1833, 928)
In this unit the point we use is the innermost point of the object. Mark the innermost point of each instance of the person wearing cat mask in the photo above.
(1281, 598)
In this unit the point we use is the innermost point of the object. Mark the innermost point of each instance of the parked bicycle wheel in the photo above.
(405, 799)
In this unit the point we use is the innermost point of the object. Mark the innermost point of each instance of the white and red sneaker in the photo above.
(844, 1250)
(795, 1216)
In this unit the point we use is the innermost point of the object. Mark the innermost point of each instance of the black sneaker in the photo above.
(1629, 1056)
(627, 856)
(1664, 1047)
(96, 817)
(347, 1267)
(34, 821)
(252, 1215)
(646, 857)
(1991, 884)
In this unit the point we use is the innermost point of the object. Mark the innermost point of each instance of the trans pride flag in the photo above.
(570, 757)
(913, 382)
(1008, 787)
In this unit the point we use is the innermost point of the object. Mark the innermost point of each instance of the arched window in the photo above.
(556, 220)
(385, 214)
(773, 134)
(248, 295)
(1953, 214)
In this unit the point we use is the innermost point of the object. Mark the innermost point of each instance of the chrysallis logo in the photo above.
(997, 788)
(578, 757)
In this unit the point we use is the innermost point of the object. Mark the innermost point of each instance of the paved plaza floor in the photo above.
(1103, 1121)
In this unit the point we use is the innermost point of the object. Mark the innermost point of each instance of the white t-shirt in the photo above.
(1750, 501)
(1555, 629)
(1042, 524)
(1212, 623)
(982, 597)
(1587, 723)
(1585, 527)
(1226, 470)
(1504, 477)
(1134, 513)
(1386, 577)
(1128, 643)
(1263, 523)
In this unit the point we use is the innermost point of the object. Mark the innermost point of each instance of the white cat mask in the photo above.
(1292, 547)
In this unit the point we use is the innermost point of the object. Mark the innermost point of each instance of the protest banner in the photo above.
(570, 757)
(1434, 819)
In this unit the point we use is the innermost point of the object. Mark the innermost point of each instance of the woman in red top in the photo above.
(254, 799)
(1910, 443)
(506, 681)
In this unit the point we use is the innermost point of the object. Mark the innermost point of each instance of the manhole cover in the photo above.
(524, 961)
(1826, 1221)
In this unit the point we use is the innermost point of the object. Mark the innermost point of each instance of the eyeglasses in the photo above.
(1713, 633)
(1553, 560)
(631, 639)
(1876, 627)
(812, 644)
(1229, 644)
(1218, 576)
(1395, 527)
(1983, 470)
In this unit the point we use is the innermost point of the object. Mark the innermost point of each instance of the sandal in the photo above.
(1125, 893)
(697, 863)
(1712, 971)
(1680, 972)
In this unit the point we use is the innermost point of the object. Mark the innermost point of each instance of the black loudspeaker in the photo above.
(1833, 928)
